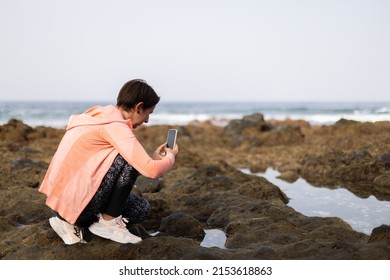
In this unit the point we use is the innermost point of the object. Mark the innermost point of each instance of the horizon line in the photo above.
(200, 101)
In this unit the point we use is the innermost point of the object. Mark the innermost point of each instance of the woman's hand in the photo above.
(174, 151)
(162, 151)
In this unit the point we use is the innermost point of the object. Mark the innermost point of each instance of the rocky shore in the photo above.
(206, 190)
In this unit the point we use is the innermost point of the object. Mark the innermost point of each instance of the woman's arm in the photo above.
(122, 138)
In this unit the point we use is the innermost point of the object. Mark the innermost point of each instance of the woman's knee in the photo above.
(137, 209)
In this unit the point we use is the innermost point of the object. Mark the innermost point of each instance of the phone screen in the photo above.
(171, 139)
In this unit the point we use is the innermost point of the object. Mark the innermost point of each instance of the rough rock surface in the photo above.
(206, 190)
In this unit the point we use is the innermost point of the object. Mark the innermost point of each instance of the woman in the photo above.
(90, 177)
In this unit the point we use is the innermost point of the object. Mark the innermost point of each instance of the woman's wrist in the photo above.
(170, 154)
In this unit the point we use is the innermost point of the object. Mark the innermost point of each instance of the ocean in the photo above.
(56, 114)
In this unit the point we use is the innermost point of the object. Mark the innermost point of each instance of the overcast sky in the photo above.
(302, 50)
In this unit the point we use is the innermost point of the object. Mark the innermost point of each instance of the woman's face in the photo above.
(141, 116)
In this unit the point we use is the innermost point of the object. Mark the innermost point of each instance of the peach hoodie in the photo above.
(86, 152)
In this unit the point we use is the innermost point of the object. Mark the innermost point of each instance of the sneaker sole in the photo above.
(95, 230)
(58, 229)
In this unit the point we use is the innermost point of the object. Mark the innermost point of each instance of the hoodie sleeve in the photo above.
(122, 138)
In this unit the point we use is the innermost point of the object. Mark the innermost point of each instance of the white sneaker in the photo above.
(70, 234)
(114, 230)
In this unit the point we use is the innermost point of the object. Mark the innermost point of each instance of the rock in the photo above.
(380, 234)
(25, 162)
(182, 225)
(343, 121)
(289, 176)
(206, 189)
(138, 230)
(258, 167)
(254, 120)
(384, 158)
(359, 154)
(383, 180)
(236, 128)
(14, 131)
(261, 189)
(284, 135)
(149, 185)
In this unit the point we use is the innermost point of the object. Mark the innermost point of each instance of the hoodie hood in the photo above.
(98, 115)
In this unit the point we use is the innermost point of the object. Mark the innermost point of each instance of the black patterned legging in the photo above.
(114, 198)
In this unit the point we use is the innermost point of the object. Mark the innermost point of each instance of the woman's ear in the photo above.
(138, 107)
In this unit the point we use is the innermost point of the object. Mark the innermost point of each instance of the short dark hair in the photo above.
(136, 91)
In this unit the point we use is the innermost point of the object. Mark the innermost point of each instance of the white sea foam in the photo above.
(56, 114)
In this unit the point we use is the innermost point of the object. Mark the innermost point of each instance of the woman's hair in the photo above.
(136, 91)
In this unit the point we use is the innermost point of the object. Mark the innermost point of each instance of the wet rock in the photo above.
(138, 230)
(384, 158)
(258, 167)
(263, 190)
(14, 131)
(25, 162)
(182, 225)
(284, 135)
(147, 185)
(359, 154)
(236, 129)
(253, 131)
(383, 161)
(289, 176)
(380, 234)
(345, 122)
(205, 189)
(159, 209)
(383, 180)
(255, 120)
(337, 167)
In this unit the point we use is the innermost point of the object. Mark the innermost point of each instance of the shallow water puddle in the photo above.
(214, 238)
(363, 214)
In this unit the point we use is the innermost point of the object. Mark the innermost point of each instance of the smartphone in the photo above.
(171, 138)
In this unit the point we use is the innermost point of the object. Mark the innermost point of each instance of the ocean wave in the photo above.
(383, 110)
(56, 114)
